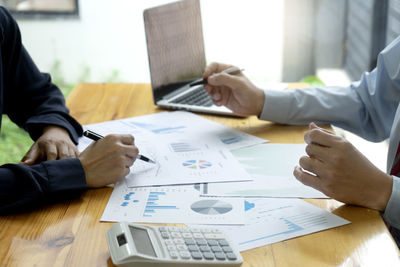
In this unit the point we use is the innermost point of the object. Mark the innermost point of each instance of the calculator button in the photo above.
(169, 242)
(184, 230)
(176, 234)
(187, 235)
(212, 242)
(195, 230)
(189, 241)
(208, 255)
(219, 255)
(179, 241)
(173, 229)
(197, 235)
(214, 236)
(185, 254)
(162, 229)
(174, 254)
(223, 242)
(164, 235)
(206, 230)
(201, 242)
(204, 248)
(171, 248)
(193, 248)
(181, 247)
(196, 255)
(216, 248)
(215, 231)
(227, 249)
(231, 256)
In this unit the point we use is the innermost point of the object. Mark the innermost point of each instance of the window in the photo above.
(41, 8)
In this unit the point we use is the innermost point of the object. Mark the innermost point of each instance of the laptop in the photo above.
(175, 48)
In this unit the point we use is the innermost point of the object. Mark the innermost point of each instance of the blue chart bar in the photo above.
(128, 199)
(152, 204)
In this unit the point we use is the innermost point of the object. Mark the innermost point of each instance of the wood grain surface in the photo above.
(69, 233)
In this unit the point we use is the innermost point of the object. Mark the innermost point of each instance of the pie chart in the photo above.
(197, 164)
(211, 207)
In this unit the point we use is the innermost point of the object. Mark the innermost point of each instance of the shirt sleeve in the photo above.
(392, 211)
(366, 107)
(31, 100)
(24, 187)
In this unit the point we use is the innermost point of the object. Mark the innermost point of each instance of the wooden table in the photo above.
(70, 234)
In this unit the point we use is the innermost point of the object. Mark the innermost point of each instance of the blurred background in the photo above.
(316, 41)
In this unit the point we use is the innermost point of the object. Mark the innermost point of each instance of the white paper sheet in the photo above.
(271, 166)
(270, 220)
(170, 204)
(178, 124)
(187, 148)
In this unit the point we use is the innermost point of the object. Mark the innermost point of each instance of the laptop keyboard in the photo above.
(197, 97)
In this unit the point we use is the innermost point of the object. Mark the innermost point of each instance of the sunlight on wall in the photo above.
(109, 37)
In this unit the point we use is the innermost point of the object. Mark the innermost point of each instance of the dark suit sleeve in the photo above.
(25, 187)
(30, 100)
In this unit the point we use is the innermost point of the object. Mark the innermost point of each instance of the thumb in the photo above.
(312, 125)
(224, 79)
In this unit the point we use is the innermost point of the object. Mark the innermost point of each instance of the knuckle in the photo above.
(303, 161)
(308, 149)
(51, 154)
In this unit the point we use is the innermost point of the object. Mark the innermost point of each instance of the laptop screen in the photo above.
(175, 45)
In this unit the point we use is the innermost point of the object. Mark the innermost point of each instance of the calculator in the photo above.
(144, 245)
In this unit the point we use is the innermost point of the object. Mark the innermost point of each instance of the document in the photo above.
(187, 148)
(271, 167)
(270, 220)
(171, 204)
(178, 124)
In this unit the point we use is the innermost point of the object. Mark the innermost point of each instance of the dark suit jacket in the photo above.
(32, 101)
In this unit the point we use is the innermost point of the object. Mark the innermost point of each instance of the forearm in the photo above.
(340, 106)
(23, 187)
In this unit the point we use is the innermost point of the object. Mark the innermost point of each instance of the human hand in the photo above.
(341, 171)
(235, 92)
(54, 143)
(108, 160)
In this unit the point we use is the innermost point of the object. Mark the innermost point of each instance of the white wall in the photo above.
(109, 36)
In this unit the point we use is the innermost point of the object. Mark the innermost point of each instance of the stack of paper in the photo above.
(204, 174)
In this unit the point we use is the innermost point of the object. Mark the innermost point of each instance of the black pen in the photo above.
(95, 136)
(231, 70)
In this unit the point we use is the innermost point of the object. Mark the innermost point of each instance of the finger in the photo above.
(214, 68)
(320, 137)
(312, 125)
(50, 150)
(306, 178)
(224, 79)
(75, 151)
(314, 166)
(322, 153)
(72, 152)
(223, 97)
(127, 139)
(31, 156)
(216, 94)
(63, 151)
(131, 152)
(129, 161)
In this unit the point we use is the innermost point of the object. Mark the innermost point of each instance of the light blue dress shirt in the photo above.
(369, 108)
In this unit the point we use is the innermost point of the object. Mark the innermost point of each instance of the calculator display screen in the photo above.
(142, 241)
